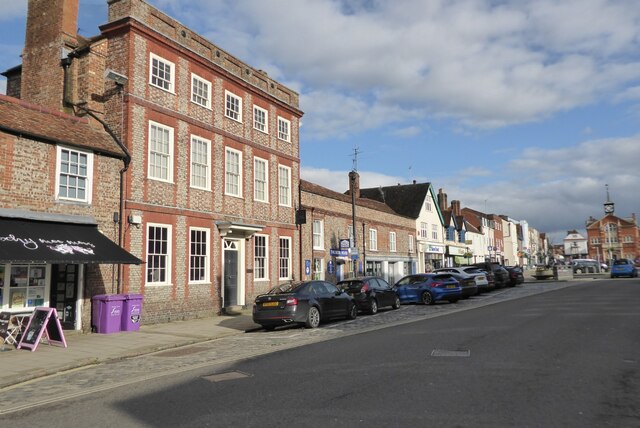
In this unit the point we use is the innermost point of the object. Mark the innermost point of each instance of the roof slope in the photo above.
(307, 186)
(32, 121)
(405, 199)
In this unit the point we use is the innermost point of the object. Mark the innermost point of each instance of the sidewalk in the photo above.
(21, 365)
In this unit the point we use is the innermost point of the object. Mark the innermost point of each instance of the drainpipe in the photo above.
(66, 63)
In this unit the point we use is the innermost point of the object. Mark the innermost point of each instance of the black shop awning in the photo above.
(32, 241)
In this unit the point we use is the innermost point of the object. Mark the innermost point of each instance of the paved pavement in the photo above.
(95, 362)
(21, 365)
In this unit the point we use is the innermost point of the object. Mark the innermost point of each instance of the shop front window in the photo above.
(27, 286)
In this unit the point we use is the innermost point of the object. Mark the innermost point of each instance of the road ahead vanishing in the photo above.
(566, 358)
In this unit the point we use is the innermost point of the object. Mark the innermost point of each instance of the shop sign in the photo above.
(338, 253)
(435, 249)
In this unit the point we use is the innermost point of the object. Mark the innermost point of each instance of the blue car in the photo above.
(428, 288)
(623, 267)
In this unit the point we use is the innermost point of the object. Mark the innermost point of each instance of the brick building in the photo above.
(56, 222)
(613, 237)
(210, 144)
(385, 240)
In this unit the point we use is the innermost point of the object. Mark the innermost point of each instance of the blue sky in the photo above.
(514, 107)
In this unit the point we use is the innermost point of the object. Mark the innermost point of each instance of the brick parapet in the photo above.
(193, 42)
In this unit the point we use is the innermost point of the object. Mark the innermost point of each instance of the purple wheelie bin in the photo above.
(107, 313)
(131, 312)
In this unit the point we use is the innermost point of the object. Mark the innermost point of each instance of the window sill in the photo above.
(172, 92)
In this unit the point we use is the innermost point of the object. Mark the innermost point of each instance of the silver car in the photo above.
(478, 275)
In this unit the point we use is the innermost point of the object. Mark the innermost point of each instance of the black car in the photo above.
(515, 275)
(500, 274)
(370, 293)
(307, 303)
(467, 281)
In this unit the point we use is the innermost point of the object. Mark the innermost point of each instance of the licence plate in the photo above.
(269, 304)
(451, 286)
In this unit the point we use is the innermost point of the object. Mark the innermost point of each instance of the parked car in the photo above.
(491, 279)
(623, 267)
(428, 288)
(480, 276)
(307, 303)
(370, 293)
(467, 282)
(500, 274)
(585, 266)
(516, 276)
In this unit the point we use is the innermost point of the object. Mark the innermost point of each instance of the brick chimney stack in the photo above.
(455, 208)
(51, 33)
(442, 200)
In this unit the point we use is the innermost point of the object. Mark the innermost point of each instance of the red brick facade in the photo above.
(333, 212)
(165, 214)
(613, 237)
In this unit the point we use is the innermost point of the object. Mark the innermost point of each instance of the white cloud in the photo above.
(409, 131)
(362, 65)
(554, 190)
(12, 9)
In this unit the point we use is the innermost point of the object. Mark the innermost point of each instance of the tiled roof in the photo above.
(32, 121)
(309, 187)
(405, 199)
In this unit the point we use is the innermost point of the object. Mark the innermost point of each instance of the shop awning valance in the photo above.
(31, 241)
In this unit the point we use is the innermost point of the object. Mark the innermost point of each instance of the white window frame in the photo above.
(196, 94)
(282, 135)
(87, 177)
(265, 258)
(172, 73)
(256, 124)
(318, 234)
(167, 255)
(230, 174)
(412, 243)
(257, 160)
(373, 240)
(392, 242)
(284, 260)
(284, 189)
(197, 162)
(205, 257)
(424, 230)
(168, 155)
(229, 112)
(318, 272)
(434, 232)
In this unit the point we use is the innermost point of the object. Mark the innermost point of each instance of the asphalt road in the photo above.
(568, 358)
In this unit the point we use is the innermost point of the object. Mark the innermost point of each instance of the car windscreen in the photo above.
(442, 276)
(344, 285)
(621, 262)
(289, 287)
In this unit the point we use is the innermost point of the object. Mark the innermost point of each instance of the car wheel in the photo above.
(373, 308)
(427, 299)
(353, 312)
(313, 318)
(396, 303)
